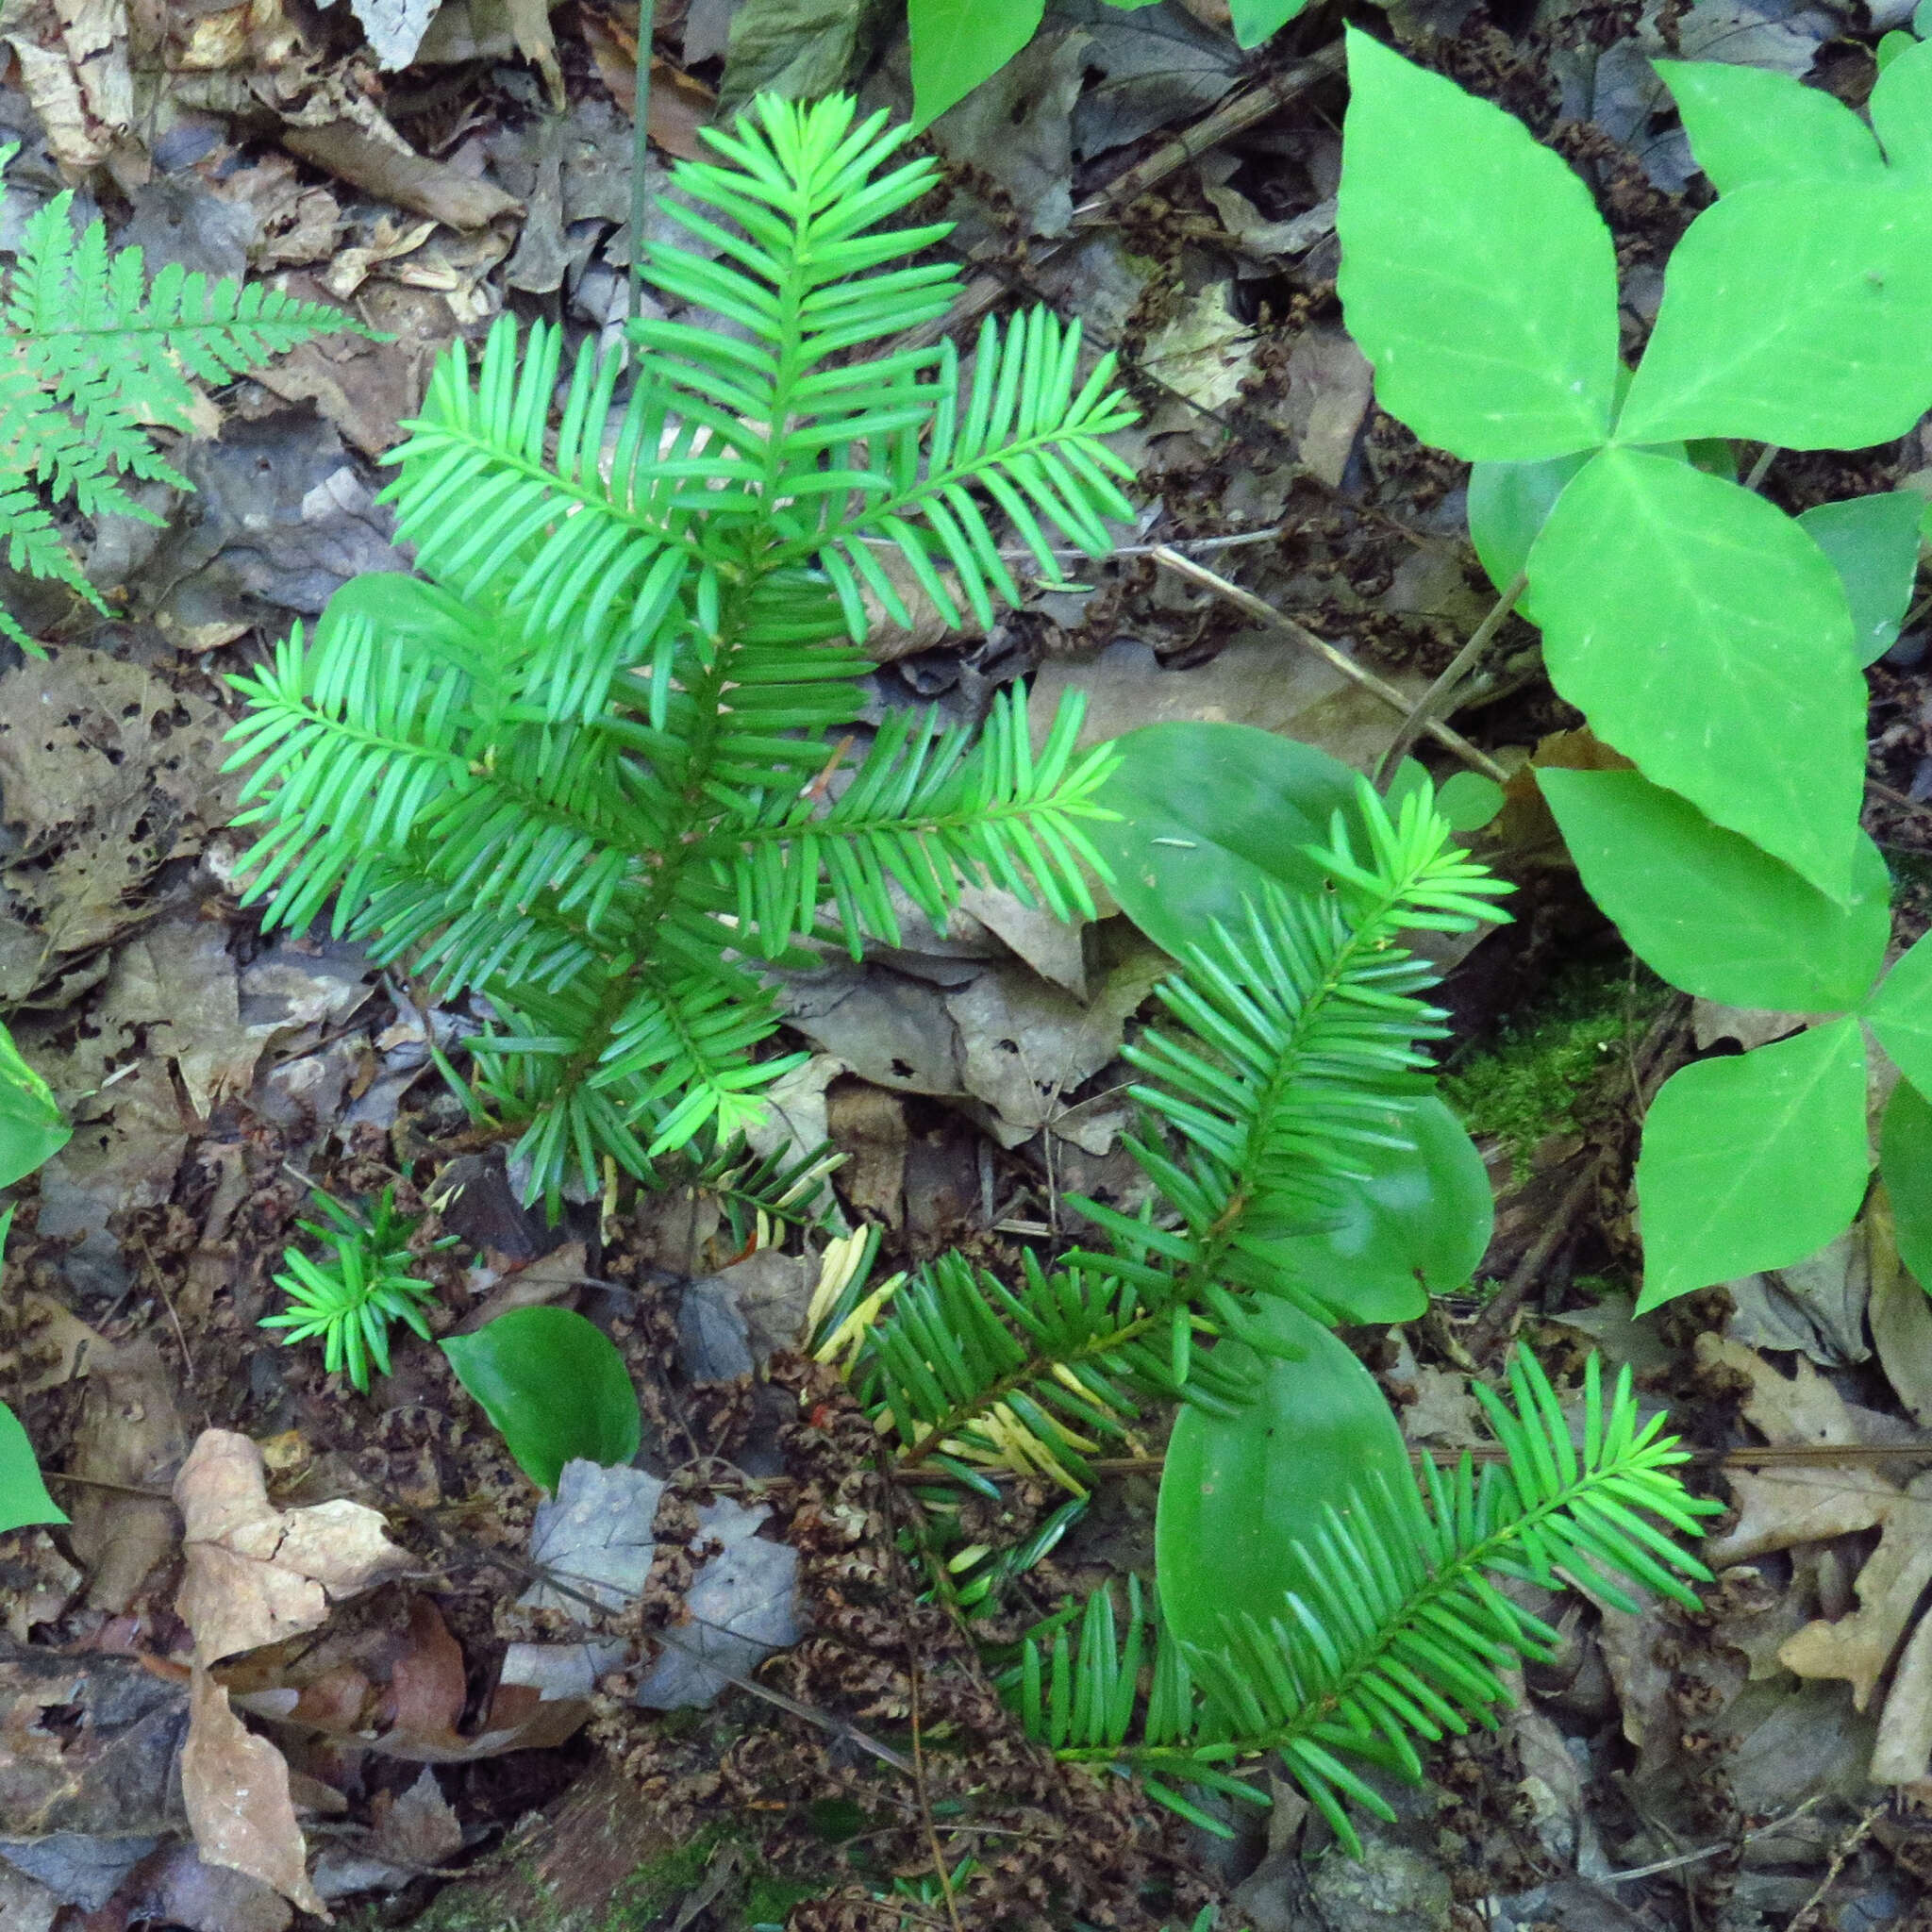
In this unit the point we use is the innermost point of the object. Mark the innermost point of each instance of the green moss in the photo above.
(656, 1886)
(770, 1898)
(1523, 1083)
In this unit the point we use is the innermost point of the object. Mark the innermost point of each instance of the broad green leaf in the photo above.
(1891, 47)
(1236, 1491)
(1905, 1158)
(1256, 21)
(957, 43)
(1509, 503)
(24, 1497)
(554, 1386)
(1797, 314)
(1708, 638)
(1211, 814)
(1901, 1014)
(1901, 109)
(1468, 800)
(1477, 275)
(31, 1129)
(1751, 124)
(1417, 1223)
(1752, 1163)
(1709, 912)
(1873, 545)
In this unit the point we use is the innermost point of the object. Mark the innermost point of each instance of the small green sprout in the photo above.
(351, 1298)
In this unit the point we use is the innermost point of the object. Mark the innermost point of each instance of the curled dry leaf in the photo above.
(1810, 1503)
(1780, 1509)
(234, 1786)
(257, 1573)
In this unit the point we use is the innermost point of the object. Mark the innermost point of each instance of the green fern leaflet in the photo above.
(92, 359)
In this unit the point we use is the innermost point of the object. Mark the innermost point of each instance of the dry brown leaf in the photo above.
(255, 1574)
(419, 1828)
(1903, 1749)
(679, 104)
(131, 1434)
(1859, 1646)
(50, 1345)
(107, 770)
(234, 1786)
(398, 175)
(400, 1693)
(87, 1745)
(1900, 1312)
(1778, 1507)
(530, 22)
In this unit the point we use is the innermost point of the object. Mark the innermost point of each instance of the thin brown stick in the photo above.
(1761, 1456)
(1439, 701)
(94, 1482)
(1233, 116)
(932, 1836)
(1252, 606)
(986, 291)
(1840, 1856)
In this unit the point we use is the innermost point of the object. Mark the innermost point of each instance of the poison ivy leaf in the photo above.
(1905, 1158)
(1901, 1014)
(1708, 638)
(554, 1386)
(1752, 1163)
(1477, 275)
(1237, 1492)
(1751, 124)
(24, 1497)
(957, 43)
(1417, 1223)
(1873, 545)
(1901, 109)
(1209, 815)
(31, 1129)
(1711, 912)
(1797, 314)
(1256, 21)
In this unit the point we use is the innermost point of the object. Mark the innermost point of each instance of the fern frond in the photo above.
(929, 810)
(599, 782)
(1028, 432)
(352, 746)
(803, 206)
(91, 356)
(1302, 1051)
(500, 517)
(1396, 1631)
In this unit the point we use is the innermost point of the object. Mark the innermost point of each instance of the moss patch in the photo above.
(1525, 1081)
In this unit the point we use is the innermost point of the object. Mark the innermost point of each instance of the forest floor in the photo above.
(1137, 171)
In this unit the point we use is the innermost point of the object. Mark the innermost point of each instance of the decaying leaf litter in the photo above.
(301, 1651)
